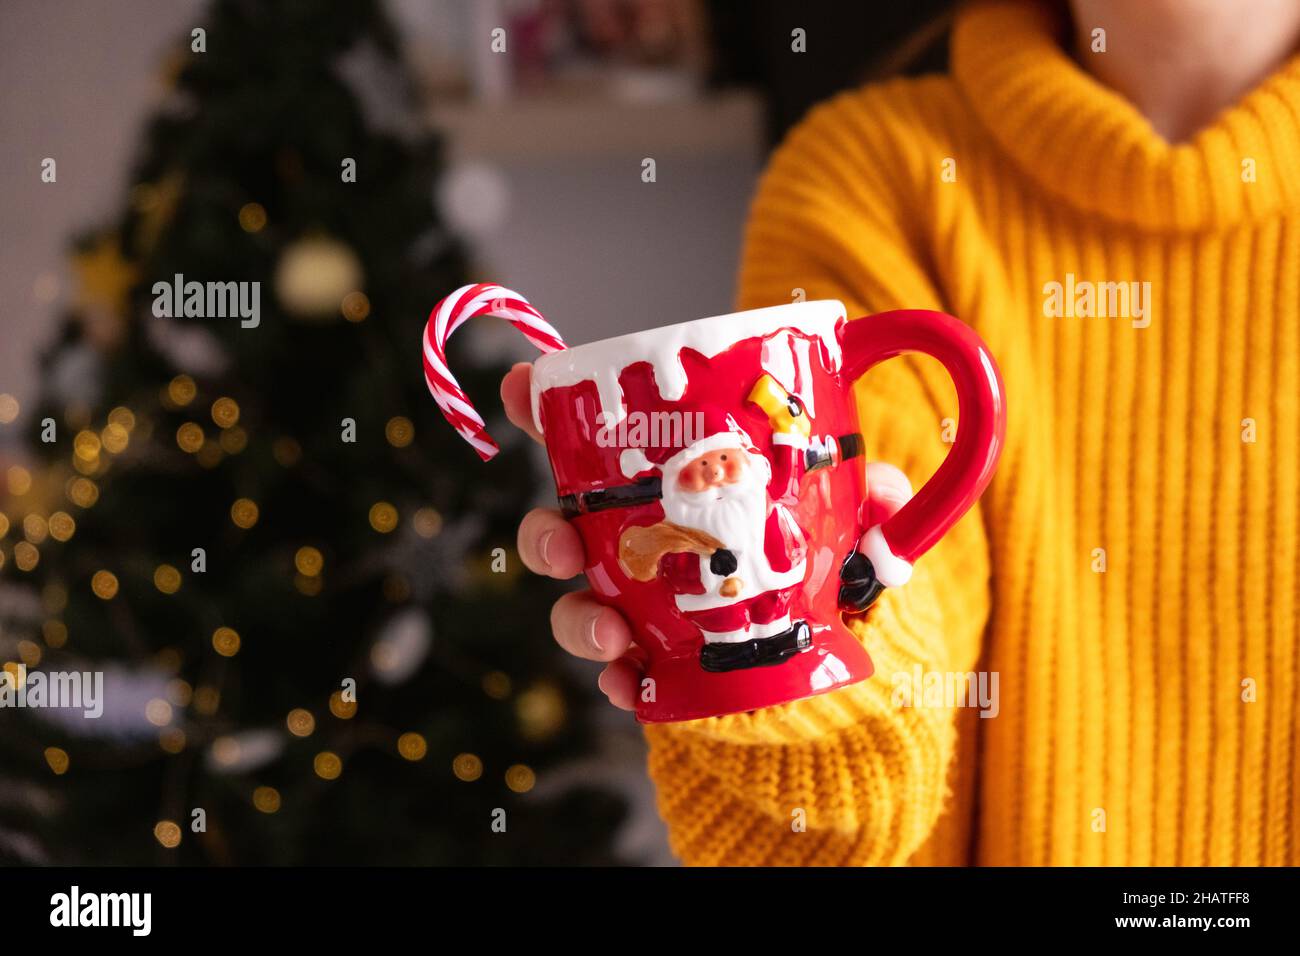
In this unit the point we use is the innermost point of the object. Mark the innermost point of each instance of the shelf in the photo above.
(549, 128)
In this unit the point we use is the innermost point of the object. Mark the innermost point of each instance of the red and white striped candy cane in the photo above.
(467, 302)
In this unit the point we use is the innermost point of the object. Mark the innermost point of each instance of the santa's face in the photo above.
(713, 469)
(721, 493)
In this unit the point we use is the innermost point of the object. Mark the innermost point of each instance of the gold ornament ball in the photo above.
(314, 275)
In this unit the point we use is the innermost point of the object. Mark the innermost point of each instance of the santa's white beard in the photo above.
(734, 514)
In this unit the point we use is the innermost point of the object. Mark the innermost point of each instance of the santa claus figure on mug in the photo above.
(729, 547)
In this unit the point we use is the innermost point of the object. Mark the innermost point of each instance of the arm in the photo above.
(867, 775)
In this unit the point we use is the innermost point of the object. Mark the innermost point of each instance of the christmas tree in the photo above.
(299, 585)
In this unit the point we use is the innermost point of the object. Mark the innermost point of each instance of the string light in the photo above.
(29, 652)
(189, 437)
(383, 517)
(340, 708)
(35, 528)
(83, 492)
(57, 758)
(225, 751)
(86, 466)
(355, 307)
(267, 799)
(225, 641)
(327, 765)
(412, 746)
(158, 712)
(427, 522)
(252, 217)
(244, 513)
(166, 579)
(114, 438)
(8, 408)
(19, 480)
(167, 833)
(308, 587)
(541, 711)
(123, 417)
(308, 561)
(55, 633)
(399, 431)
(233, 440)
(61, 525)
(104, 584)
(4, 524)
(225, 412)
(300, 722)
(179, 692)
(172, 740)
(181, 390)
(467, 767)
(26, 556)
(86, 445)
(520, 778)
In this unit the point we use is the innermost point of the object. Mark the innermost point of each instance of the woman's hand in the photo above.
(549, 545)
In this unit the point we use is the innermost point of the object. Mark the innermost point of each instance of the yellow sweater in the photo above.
(1131, 574)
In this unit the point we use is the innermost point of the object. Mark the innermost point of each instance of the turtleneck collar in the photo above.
(1084, 143)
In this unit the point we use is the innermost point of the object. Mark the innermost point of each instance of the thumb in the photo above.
(888, 489)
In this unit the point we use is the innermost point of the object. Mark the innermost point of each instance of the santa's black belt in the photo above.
(646, 490)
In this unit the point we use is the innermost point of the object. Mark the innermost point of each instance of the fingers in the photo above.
(888, 489)
(587, 629)
(621, 682)
(515, 395)
(549, 545)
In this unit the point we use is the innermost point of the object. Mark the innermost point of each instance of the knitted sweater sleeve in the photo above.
(853, 776)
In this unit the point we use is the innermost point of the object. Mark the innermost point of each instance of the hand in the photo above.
(551, 546)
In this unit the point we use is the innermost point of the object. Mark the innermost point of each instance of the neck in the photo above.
(1182, 62)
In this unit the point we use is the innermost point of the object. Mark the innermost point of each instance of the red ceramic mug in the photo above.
(715, 472)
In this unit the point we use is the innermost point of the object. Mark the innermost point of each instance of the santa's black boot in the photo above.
(721, 657)
(859, 585)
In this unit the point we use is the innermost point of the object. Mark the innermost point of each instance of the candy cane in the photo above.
(467, 302)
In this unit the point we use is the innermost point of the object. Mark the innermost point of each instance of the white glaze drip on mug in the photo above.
(602, 362)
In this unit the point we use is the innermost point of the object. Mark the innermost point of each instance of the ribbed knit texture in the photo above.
(1122, 735)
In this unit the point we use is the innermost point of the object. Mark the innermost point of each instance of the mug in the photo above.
(715, 471)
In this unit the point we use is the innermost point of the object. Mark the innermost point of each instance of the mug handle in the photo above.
(886, 556)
